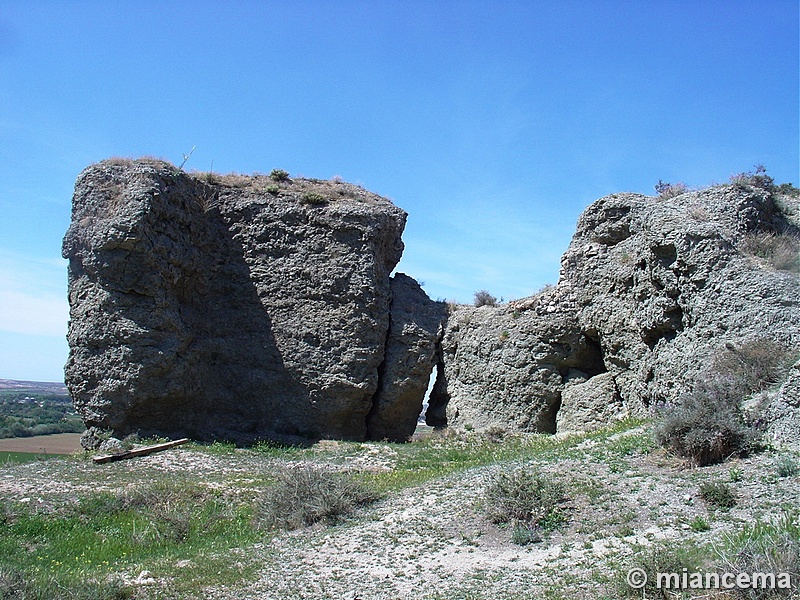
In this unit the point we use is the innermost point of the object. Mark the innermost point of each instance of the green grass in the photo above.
(104, 534)
(83, 545)
(22, 457)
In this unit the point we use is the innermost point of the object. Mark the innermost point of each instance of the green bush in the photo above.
(786, 466)
(524, 498)
(717, 494)
(699, 524)
(314, 199)
(484, 298)
(305, 495)
(279, 175)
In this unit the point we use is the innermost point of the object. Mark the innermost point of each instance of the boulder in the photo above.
(230, 307)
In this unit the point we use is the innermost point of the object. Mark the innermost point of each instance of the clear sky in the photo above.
(493, 123)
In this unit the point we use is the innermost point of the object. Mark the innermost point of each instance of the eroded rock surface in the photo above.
(245, 308)
(234, 307)
(651, 291)
(411, 354)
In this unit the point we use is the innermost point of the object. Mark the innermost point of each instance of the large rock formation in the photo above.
(246, 308)
(233, 307)
(652, 292)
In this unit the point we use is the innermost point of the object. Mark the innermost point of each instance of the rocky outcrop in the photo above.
(651, 291)
(236, 307)
(411, 354)
(252, 307)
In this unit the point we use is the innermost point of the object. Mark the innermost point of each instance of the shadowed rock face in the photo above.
(238, 308)
(411, 354)
(651, 292)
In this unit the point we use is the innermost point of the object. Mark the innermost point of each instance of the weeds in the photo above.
(717, 495)
(306, 495)
(707, 426)
(16, 585)
(786, 466)
(781, 251)
(756, 178)
(73, 551)
(772, 548)
(525, 499)
(314, 199)
(665, 557)
(699, 524)
(704, 429)
(279, 175)
(670, 190)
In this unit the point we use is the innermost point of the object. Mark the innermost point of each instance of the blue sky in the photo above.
(494, 124)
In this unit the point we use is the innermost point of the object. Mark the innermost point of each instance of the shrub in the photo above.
(787, 189)
(279, 175)
(484, 298)
(786, 466)
(523, 534)
(717, 494)
(756, 178)
(304, 496)
(756, 364)
(314, 199)
(705, 429)
(670, 190)
(781, 251)
(707, 426)
(699, 524)
(524, 498)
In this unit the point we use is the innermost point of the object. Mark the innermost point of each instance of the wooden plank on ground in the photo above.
(106, 458)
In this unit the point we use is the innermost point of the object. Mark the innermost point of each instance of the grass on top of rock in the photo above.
(484, 298)
(781, 251)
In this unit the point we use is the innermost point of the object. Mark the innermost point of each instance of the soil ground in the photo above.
(59, 443)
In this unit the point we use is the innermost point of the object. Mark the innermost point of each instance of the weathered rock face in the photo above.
(650, 290)
(243, 308)
(232, 307)
(411, 353)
